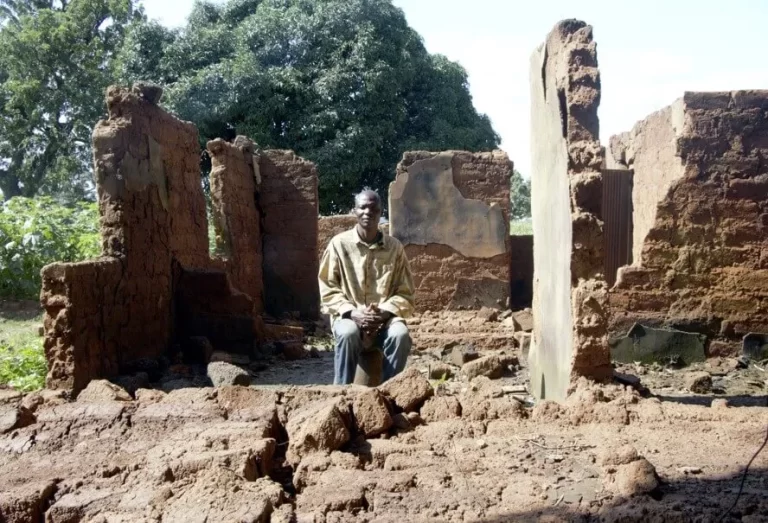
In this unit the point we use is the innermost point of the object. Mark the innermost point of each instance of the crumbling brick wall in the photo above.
(290, 208)
(457, 243)
(234, 180)
(569, 295)
(701, 202)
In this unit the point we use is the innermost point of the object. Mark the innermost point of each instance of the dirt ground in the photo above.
(480, 450)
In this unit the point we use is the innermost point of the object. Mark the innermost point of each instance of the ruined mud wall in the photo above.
(569, 337)
(155, 285)
(451, 211)
(102, 314)
(330, 226)
(235, 178)
(704, 260)
(289, 205)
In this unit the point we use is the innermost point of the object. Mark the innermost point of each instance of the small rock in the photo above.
(459, 355)
(481, 444)
(689, 470)
(440, 371)
(637, 477)
(699, 382)
(523, 320)
(319, 426)
(488, 366)
(555, 458)
(371, 413)
(408, 390)
(222, 373)
(439, 408)
(488, 315)
(12, 417)
(100, 391)
(719, 403)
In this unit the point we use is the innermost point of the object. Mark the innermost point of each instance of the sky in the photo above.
(649, 52)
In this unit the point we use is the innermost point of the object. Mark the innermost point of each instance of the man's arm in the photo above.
(332, 298)
(401, 302)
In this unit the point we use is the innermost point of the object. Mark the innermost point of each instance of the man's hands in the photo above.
(370, 320)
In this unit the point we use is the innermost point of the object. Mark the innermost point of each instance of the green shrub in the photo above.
(37, 231)
(22, 363)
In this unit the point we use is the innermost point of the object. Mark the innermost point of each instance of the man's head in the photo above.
(368, 209)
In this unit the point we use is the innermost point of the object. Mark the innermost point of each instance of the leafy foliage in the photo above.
(55, 63)
(520, 197)
(22, 363)
(36, 232)
(345, 83)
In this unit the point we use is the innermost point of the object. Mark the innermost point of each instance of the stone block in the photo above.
(317, 427)
(650, 345)
(408, 390)
(371, 413)
(222, 373)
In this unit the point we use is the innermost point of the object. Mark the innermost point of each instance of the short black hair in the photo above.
(367, 191)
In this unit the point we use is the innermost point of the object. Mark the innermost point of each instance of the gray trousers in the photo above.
(394, 341)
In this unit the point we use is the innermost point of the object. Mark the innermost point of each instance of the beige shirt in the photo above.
(354, 275)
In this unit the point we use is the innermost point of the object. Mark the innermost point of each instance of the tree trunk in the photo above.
(9, 184)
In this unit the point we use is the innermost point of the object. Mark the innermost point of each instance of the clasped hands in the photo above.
(370, 320)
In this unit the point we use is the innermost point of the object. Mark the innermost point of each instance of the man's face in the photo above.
(368, 212)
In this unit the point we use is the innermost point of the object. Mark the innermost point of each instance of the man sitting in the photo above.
(367, 288)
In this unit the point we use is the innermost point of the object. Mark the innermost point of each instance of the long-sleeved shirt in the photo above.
(354, 275)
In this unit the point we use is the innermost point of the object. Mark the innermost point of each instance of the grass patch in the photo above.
(521, 227)
(22, 361)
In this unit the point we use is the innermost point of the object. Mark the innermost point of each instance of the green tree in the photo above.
(519, 196)
(345, 83)
(55, 59)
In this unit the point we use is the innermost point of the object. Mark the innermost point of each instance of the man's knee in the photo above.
(398, 332)
(347, 330)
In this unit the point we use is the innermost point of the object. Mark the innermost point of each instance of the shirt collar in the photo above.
(377, 243)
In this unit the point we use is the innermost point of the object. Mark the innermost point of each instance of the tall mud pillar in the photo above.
(569, 296)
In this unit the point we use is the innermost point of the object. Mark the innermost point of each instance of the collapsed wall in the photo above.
(700, 206)
(569, 294)
(290, 207)
(155, 285)
(451, 210)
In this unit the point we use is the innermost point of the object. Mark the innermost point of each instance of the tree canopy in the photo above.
(55, 58)
(520, 196)
(345, 83)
